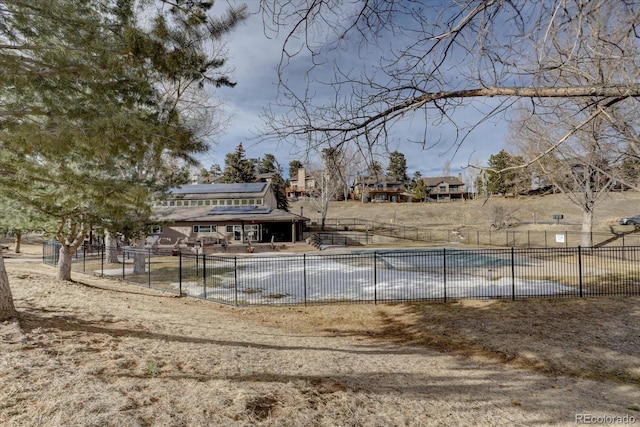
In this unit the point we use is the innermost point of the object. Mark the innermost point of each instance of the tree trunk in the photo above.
(139, 256)
(18, 242)
(7, 309)
(64, 262)
(111, 248)
(139, 262)
(586, 240)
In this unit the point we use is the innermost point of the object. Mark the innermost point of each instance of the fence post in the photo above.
(149, 267)
(180, 273)
(304, 279)
(104, 249)
(444, 272)
(124, 253)
(580, 270)
(235, 278)
(204, 274)
(375, 278)
(513, 275)
(84, 259)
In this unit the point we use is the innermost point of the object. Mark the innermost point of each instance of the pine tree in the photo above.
(397, 168)
(92, 127)
(269, 164)
(237, 168)
(511, 181)
(294, 165)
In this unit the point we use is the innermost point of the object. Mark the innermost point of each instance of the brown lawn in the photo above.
(101, 353)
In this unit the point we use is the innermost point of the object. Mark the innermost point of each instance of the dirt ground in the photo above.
(95, 352)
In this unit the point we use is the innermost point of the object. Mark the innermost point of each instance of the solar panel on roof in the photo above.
(223, 210)
(249, 187)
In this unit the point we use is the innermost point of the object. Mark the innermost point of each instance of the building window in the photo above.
(252, 232)
(235, 231)
(205, 228)
(443, 188)
(156, 229)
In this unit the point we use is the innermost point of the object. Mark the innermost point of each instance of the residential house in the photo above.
(225, 214)
(301, 185)
(380, 188)
(445, 188)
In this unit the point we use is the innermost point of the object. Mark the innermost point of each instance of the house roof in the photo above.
(206, 214)
(262, 177)
(436, 180)
(379, 179)
(222, 190)
(226, 213)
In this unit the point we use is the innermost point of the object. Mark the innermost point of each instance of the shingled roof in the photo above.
(437, 180)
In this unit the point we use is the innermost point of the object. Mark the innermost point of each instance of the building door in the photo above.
(237, 232)
(253, 232)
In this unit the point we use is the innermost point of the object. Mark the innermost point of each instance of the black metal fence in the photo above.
(368, 230)
(368, 276)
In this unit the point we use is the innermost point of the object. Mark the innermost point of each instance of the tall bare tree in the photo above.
(581, 144)
(584, 168)
(384, 62)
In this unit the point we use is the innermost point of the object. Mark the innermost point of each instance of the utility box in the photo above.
(558, 217)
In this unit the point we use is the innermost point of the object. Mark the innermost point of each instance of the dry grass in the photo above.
(533, 213)
(102, 353)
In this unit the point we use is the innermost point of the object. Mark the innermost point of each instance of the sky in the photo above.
(254, 57)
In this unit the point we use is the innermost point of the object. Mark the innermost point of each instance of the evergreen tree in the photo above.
(294, 165)
(397, 168)
(237, 168)
(511, 181)
(269, 164)
(420, 190)
(92, 126)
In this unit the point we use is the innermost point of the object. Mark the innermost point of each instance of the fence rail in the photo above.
(501, 238)
(366, 276)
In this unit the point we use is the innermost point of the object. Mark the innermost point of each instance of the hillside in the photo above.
(530, 212)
